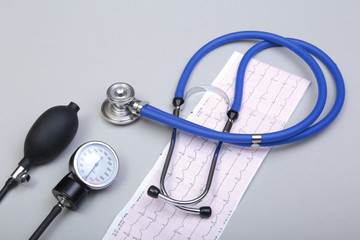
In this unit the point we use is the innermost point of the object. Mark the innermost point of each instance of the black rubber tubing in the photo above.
(9, 183)
(52, 215)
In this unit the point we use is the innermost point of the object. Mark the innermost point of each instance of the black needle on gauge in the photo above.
(96, 164)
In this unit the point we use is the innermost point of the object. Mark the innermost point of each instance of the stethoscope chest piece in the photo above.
(116, 108)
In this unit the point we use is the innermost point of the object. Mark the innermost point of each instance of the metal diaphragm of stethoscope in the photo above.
(93, 166)
(121, 107)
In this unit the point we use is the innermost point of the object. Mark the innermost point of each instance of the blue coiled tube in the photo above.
(304, 129)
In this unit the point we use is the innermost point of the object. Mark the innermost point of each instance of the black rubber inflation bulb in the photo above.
(48, 137)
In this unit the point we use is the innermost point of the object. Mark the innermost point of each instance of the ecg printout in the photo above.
(270, 97)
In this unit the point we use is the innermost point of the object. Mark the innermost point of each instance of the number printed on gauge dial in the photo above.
(95, 164)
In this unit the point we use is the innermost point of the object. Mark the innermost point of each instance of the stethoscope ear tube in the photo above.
(154, 192)
(298, 132)
(158, 115)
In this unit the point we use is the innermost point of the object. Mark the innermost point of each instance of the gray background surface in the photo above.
(54, 52)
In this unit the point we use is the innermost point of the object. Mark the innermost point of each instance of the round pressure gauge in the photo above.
(95, 164)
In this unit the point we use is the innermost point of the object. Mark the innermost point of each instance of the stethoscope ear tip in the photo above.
(205, 212)
(153, 192)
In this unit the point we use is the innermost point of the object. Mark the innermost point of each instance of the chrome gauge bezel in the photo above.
(73, 165)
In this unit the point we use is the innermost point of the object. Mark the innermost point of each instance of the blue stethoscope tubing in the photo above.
(303, 129)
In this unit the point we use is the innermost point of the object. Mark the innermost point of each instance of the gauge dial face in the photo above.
(96, 164)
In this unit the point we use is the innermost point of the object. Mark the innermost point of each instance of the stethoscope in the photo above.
(121, 108)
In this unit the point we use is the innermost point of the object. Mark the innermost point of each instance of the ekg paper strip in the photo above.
(270, 97)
